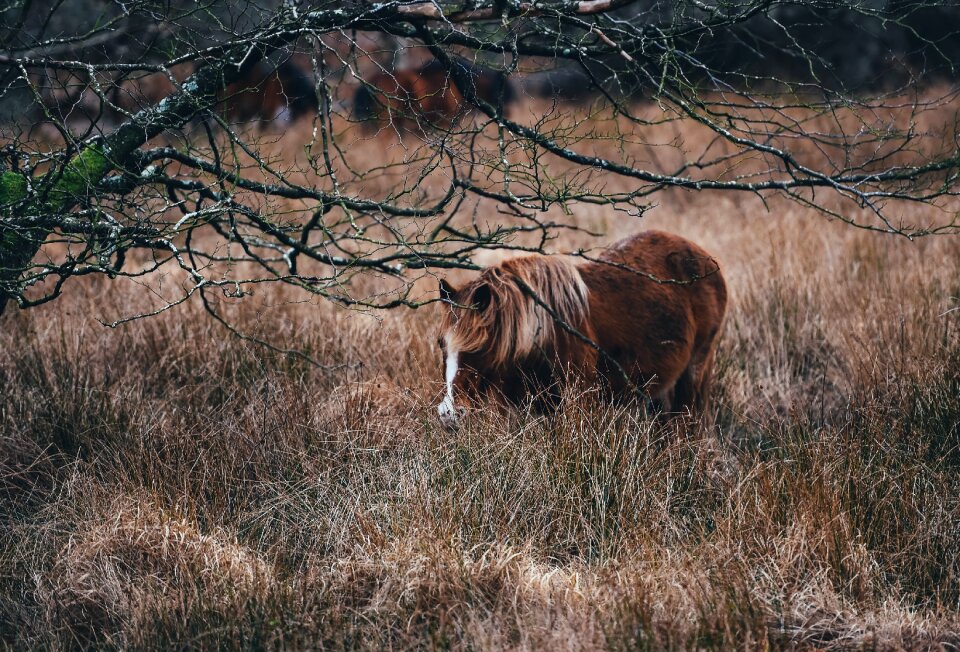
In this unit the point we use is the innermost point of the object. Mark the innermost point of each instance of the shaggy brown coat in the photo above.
(644, 315)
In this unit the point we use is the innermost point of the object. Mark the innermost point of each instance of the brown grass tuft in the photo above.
(136, 564)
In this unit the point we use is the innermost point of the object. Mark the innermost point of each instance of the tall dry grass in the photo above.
(168, 485)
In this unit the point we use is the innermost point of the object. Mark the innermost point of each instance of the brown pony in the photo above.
(268, 94)
(136, 93)
(645, 315)
(428, 96)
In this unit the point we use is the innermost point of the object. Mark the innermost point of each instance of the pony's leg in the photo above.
(685, 392)
(705, 382)
(659, 405)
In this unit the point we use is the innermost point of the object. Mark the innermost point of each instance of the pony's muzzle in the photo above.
(449, 414)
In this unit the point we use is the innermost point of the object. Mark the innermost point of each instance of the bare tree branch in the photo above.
(421, 133)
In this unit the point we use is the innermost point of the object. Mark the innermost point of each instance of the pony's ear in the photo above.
(481, 297)
(446, 291)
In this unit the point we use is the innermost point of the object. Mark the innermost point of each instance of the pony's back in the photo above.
(661, 301)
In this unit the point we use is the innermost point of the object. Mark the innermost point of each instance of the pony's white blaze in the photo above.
(446, 409)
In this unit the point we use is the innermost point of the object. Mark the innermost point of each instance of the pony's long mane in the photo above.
(514, 325)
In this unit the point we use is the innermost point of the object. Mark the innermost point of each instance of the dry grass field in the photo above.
(167, 485)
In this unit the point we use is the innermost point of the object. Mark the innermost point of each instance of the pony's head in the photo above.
(496, 328)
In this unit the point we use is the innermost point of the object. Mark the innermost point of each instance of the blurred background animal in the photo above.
(428, 96)
(268, 94)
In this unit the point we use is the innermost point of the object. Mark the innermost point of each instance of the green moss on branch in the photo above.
(13, 187)
(18, 245)
(85, 170)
